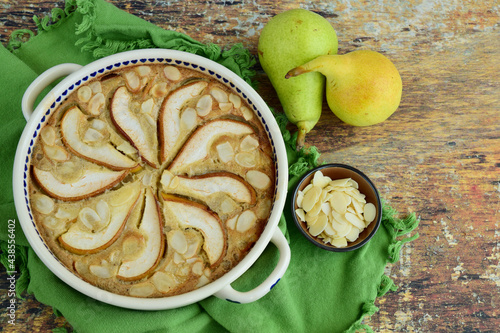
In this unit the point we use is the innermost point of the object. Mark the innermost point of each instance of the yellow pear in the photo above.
(363, 87)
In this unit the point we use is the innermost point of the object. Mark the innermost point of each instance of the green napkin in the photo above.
(321, 291)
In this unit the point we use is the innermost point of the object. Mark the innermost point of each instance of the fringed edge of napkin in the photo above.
(237, 59)
(53, 20)
(397, 228)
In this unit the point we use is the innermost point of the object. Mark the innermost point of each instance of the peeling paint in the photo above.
(492, 272)
(457, 271)
(447, 234)
(403, 318)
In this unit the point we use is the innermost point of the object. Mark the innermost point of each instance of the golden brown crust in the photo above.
(101, 266)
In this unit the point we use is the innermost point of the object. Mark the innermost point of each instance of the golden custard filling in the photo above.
(152, 180)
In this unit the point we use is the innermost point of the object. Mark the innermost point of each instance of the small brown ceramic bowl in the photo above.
(366, 187)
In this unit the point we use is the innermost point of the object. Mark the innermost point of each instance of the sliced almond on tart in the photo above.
(105, 154)
(151, 226)
(194, 215)
(169, 125)
(56, 153)
(198, 145)
(48, 135)
(258, 179)
(130, 126)
(246, 221)
(43, 204)
(91, 183)
(81, 240)
(199, 187)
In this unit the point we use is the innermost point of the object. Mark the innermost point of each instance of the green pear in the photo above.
(288, 40)
(363, 87)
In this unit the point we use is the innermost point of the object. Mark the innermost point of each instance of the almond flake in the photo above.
(301, 214)
(56, 153)
(231, 223)
(319, 226)
(246, 221)
(225, 151)
(249, 143)
(355, 220)
(172, 73)
(219, 95)
(84, 94)
(236, 100)
(89, 218)
(96, 87)
(164, 282)
(96, 104)
(245, 159)
(133, 81)
(247, 113)
(143, 70)
(369, 212)
(204, 105)
(101, 271)
(141, 290)
(178, 241)
(147, 106)
(159, 90)
(188, 118)
(258, 179)
(43, 204)
(48, 134)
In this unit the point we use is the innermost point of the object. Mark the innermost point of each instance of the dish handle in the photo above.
(42, 82)
(232, 295)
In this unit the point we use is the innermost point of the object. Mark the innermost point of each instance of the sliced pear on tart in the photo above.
(129, 124)
(91, 183)
(197, 147)
(169, 120)
(151, 227)
(201, 186)
(104, 154)
(80, 239)
(190, 214)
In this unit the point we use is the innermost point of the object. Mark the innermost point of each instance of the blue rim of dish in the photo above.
(130, 63)
(314, 240)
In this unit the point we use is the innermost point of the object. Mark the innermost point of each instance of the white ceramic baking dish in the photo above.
(76, 75)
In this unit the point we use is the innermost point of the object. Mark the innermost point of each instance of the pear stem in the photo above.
(325, 64)
(301, 138)
(296, 72)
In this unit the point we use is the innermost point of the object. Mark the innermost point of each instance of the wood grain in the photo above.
(437, 156)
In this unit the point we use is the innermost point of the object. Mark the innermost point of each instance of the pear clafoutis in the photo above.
(152, 180)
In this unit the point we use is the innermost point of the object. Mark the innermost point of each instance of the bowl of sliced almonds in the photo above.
(337, 207)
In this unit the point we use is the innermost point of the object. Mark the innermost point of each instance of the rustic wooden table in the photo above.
(437, 156)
